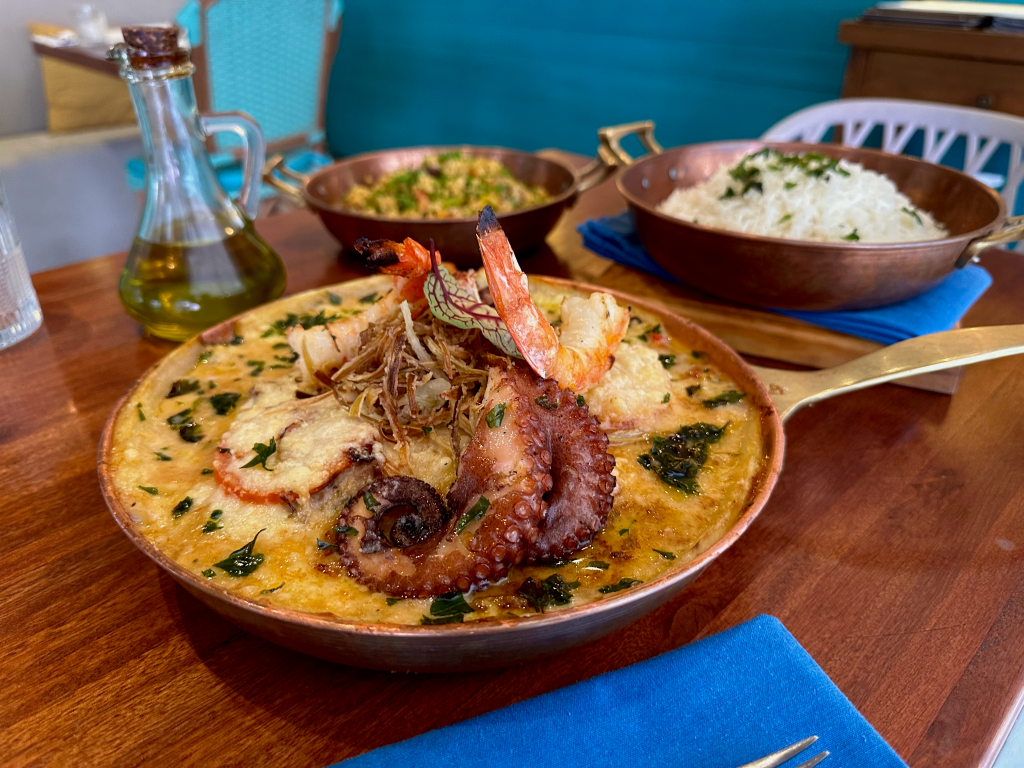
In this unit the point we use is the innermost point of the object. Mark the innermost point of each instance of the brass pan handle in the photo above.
(274, 169)
(610, 141)
(1011, 231)
(792, 389)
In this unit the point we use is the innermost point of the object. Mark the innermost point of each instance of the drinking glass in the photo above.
(20, 315)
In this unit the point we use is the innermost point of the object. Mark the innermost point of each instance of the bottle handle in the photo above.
(248, 129)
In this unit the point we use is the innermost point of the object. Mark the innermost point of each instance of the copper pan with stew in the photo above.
(501, 642)
(324, 191)
(795, 274)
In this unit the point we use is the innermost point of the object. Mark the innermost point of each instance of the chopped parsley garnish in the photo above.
(370, 298)
(370, 501)
(272, 590)
(666, 555)
(653, 329)
(785, 218)
(789, 184)
(913, 214)
(551, 591)
(624, 531)
(142, 416)
(263, 452)
(474, 513)
(204, 357)
(216, 514)
(322, 545)
(162, 456)
(692, 389)
(496, 415)
(183, 387)
(393, 600)
(334, 298)
(149, 489)
(546, 404)
(667, 361)
(624, 583)
(344, 530)
(181, 507)
(278, 327)
(581, 400)
(209, 573)
(256, 368)
(236, 340)
(677, 458)
(427, 430)
(726, 398)
(191, 433)
(289, 359)
(243, 560)
(206, 471)
(667, 397)
(223, 402)
(599, 565)
(447, 609)
(853, 236)
(210, 526)
(180, 418)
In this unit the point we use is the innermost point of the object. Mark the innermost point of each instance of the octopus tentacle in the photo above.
(494, 511)
(582, 471)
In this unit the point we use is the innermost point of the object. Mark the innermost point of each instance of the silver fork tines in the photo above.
(778, 758)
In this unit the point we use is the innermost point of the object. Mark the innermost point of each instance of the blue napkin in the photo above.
(615, 238)
(720, 702)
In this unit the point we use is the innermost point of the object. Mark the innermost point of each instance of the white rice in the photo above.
(805, 196)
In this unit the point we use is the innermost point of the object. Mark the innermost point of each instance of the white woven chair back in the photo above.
(900, 119)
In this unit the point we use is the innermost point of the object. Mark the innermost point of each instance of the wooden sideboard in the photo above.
(973, 68)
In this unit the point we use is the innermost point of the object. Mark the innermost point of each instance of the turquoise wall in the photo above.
(532, 74)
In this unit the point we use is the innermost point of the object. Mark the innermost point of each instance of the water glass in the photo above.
(20, 315)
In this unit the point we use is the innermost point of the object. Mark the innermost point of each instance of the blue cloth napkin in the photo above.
(720, 702)
(615, 238)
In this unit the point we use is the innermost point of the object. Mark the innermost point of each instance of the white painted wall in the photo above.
(22, 103)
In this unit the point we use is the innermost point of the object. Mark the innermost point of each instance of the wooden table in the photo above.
(893, 549)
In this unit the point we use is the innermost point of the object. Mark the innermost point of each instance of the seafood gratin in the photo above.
(447, 186)
(428, 446)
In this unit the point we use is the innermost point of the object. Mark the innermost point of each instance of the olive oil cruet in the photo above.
(196, 258)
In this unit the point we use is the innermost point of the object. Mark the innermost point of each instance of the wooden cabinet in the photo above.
(973, 68)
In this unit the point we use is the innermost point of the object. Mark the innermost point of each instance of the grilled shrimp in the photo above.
(591, 328)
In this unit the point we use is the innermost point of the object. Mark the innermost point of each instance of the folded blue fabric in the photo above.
(615, 238)
(723, 701)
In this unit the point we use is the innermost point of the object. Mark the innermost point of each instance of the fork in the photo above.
(778, 758)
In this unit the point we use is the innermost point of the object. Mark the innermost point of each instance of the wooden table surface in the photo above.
(893, 549)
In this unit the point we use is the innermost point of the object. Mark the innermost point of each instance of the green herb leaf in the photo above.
(785, 218)
(726, 398)
(236, 340)
(223, 402)
(334, 298)
(204, 357)
(667, 361)
(183, 387)
(142, 416)
(666, 398)
(257, 367)
(263, 452)
(475, 513)
(321, 544)
(450, 604)
(162, 456)
(551, 591)
(428, 621)
(451, 303)
(624, 583)
(427, 430)
(243, 560)
(206, 471)
(495, 415)
(624, 531)
(599, 565)
(666, 555)
(393, 600)
(180, 418)
(677, 458)
(272, 590)
(692, 389)
(289, 359)
(181, 507)
(580, 400)
(209, 573)
(191, 432)
(653, 329)
(344, 530)
(789, 184)
(914, 215)
(278, 327)
(370, 501)
(728, 193)
(149, 489)
(546, 404)
(216, 514)
(210, 526)
(370, 298)
(853, 236)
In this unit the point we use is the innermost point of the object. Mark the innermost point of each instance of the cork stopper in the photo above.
(153, 46)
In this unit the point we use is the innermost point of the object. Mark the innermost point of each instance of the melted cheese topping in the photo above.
(652, 527)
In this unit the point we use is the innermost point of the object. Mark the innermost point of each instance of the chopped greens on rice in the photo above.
(805, 196)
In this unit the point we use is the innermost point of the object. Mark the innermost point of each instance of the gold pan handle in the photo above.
(792, 389)
(274, 169)
(1011, 231)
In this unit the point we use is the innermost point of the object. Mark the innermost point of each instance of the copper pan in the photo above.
(495, 643)
(526, 228)
(793, 274)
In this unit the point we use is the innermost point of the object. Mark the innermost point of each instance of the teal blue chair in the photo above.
(271, 59)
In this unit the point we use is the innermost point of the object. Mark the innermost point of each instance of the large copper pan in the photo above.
(494, 643)
(526, 228)
(792, 274)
